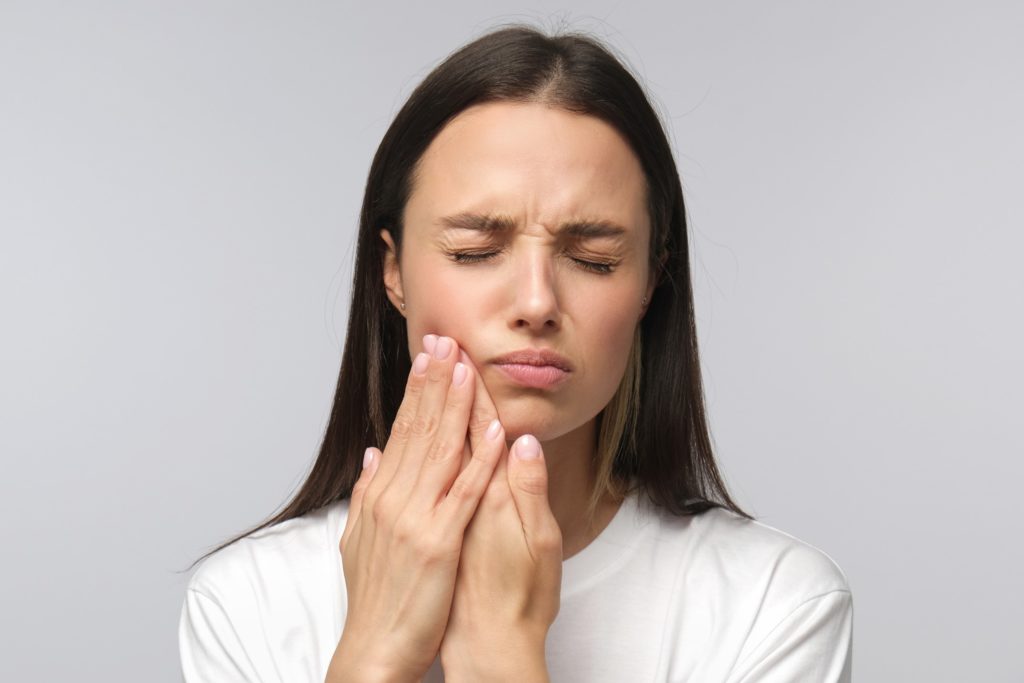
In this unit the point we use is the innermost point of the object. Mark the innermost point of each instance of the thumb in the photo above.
(528, 481)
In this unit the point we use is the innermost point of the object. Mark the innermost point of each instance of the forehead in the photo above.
(533, 163)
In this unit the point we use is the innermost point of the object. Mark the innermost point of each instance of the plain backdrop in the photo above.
(180, 185)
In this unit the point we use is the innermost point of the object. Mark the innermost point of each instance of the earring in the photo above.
(644, 302)
(403, 305)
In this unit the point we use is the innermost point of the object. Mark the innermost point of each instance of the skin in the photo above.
(541, 166)
(469, 569)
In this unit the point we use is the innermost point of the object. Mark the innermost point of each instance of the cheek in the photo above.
(441, 304)
(608, 338)
(605, 320)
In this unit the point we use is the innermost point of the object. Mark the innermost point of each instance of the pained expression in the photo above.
(538, 282)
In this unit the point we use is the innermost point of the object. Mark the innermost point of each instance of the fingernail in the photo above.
(419, 366)
(459, 376)
(442, 348)
(367, 458)
(493, 429)
(527, 448)
(429, 341)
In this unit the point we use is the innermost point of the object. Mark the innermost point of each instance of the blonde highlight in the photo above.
(617, 431)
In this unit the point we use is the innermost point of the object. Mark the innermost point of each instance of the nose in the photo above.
(535, 298)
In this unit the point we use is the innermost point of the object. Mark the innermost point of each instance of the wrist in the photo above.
(353, 664)
(517, 671)
(358, 672)
(364, 672)
(496, 661)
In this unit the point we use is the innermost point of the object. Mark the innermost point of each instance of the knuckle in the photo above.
(414, 387)
(441, 450)
(405, 531)
(423, 547)
(454, 400)
(464, 490)
(436, 372)
(479, 422)
(533, 484)
(488, 455)
(402, 426)
(427, 546)
(445, 546)
(423, 425)
(381, 511)
(493, 499)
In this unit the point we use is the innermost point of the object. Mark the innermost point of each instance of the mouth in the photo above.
(536, 376)
(535, 368)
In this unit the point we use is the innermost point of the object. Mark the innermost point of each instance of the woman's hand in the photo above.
(403, 537)
(507, 591)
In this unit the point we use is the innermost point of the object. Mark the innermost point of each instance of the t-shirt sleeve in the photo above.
(814, 642)
(209, 644)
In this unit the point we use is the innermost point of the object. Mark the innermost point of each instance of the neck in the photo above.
(571, 461)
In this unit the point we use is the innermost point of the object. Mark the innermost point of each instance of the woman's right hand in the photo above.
(407, 516)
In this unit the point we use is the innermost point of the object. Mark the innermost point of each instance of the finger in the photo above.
(483, 411)
(483, 414)
(424, 429)
(442, 461)
(467, 455)
(371, 463)
(458, 507)
(528, 481)
(401, 428)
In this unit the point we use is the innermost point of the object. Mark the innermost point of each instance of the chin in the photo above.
(545, 426)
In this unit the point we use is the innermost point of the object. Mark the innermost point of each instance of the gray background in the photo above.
(180, 188)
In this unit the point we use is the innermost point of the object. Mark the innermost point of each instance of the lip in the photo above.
(537, 368)
(535, 357)
(535, 376)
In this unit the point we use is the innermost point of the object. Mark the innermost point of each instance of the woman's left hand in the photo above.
(508, 586)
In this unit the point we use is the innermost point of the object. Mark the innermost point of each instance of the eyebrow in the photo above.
(486, 223)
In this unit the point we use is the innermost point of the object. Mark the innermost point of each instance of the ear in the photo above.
(652, 282)
(392, 273)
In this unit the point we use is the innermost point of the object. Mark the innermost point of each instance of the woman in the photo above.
(521, 340)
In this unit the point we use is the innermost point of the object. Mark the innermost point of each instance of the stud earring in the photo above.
(403, 305)
(644, 302)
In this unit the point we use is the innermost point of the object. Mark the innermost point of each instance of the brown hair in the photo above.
(654, 431)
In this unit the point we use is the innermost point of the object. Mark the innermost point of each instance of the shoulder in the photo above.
(749, 562)
(267, 606)
(772, 605)
(792, 604)
(754, 551)
(274, 557)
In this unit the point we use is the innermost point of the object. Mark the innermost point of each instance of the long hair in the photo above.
(653, 435)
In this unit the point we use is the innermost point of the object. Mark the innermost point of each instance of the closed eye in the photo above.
(477, 257)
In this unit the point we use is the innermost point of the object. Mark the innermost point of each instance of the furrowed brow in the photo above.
(579, 229)
(597, 228)
(478, 222)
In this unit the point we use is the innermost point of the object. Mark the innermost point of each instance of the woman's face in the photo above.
(491, 257)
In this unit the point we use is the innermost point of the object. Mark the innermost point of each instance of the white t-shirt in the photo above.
(654, 597)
